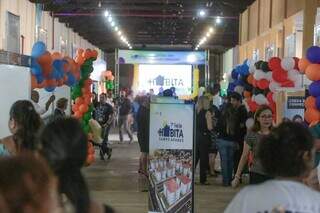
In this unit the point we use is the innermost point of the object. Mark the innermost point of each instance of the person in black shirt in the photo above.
(232, 129)
(124, 111)
(143, 137)
(103, 113)
(203, 128)
(61, 107)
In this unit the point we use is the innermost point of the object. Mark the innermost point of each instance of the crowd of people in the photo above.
(47, 157)
(281, 160)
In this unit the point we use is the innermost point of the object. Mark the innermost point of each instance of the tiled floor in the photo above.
(115, 182)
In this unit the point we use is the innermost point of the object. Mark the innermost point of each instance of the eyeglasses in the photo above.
(266, 116)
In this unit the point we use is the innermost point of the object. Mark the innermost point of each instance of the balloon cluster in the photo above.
(108, 78)
(50, 70)
(238, 79)
(82, 95)
(311, 67)
(258, 82)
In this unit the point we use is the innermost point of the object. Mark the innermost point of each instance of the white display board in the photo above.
(171, 126)
(15, 84)
(170, 166)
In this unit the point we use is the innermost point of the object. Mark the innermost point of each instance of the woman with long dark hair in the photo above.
(64, 145)
(261, 127)
(24, 124)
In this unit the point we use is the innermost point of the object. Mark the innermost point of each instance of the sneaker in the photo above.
(101, 154)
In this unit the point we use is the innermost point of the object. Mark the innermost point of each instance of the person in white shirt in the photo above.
(35, 102)
(286, 154)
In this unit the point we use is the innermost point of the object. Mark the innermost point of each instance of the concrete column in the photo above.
(309, 18)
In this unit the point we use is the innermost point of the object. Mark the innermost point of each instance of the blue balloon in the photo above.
(36, 70)
(71, 80)
(318, 102)
(313, 54)
(50, 89)
(245, 62)
(57, 64)
(244, 69)
(38, 49)
(39, 78)
(56, 74)
(314, 89)
(239, 82)
(231, 87)
(234, 74)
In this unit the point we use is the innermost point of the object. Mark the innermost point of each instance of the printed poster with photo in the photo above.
(171, 157)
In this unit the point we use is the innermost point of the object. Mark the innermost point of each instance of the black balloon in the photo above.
(258, 64)
(264, 67)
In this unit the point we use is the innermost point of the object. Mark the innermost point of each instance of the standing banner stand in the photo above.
(290, 103)
(171, 180)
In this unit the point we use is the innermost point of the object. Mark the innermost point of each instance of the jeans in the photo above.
(123, 121)
(226, 150)
(105, 136)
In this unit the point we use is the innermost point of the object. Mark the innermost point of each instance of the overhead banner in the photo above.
(171, 158)
(161, 57)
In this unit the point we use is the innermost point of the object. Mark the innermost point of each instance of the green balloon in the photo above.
(87, 116)
(86, 129)
(81, 83)
(91, 108)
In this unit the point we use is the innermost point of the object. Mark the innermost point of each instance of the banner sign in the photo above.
(171, 156)
(161, 57)
(290, 104)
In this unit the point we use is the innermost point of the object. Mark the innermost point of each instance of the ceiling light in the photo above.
(208, 34)
(116, 29)
(106, 13)
(119, 33)
(202, 13)
(218, 20)
(99, 4)
(112, 24)
(196, 48)
(211, 29)
(110, 18)
(130, 48)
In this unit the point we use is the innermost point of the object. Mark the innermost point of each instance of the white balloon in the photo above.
(273, 86)
(239, 89)
(252, 69)
(258, 75)
(288, 63)
(249, 123)
(269, 76)
(294, 75)
(230, 79)
(261, 99)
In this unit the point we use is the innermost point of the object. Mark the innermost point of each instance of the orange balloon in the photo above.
(83, 108)
(75, 108)
(42, 85)
(79, 60)
(34, 82)
(87, 100)
(310, 102)
(312, 115)
(79, 101)
(303, 64)
(313, 72)
(250, 79)
(45, 59)
(86, 54)
(79, 51)
(85, 90)
(56, 56)
(247, 94)
(77, 114)
(51, 82)
(94, 53)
